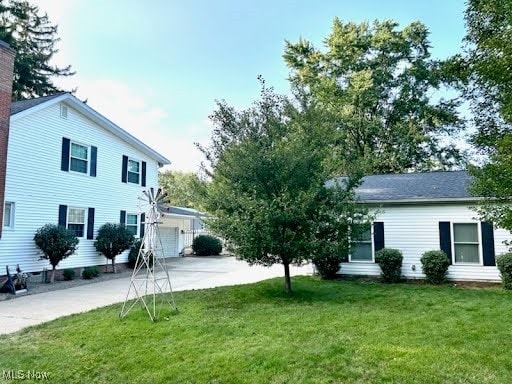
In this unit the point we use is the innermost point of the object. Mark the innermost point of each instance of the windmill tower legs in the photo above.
(150, 284)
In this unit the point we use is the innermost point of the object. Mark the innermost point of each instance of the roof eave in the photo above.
(100, 120)
(411, 201)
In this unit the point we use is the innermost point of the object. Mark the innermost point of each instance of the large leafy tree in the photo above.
(33, 37)
(485, 70)
(377, 82)
(184, 189)
(268, 196)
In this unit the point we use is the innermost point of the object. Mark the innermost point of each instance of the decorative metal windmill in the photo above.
(150, 283)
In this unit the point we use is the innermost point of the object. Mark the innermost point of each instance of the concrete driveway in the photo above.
(185, 273)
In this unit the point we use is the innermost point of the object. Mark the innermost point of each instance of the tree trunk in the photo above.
(52, 279)
(287, 281)
(114, 264)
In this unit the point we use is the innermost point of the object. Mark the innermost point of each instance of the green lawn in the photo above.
(328, 332)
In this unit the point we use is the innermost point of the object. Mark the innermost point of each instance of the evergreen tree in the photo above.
(33, 37)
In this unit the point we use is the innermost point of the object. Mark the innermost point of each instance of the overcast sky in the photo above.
(156, 67)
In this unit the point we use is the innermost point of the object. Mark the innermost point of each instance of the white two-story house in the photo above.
(69, 165)
(66, 164)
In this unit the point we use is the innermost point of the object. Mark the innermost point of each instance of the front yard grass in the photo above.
(328, 332)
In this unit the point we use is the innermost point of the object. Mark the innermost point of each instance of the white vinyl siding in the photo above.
(414, 229)
(466, 243)
(8, 215)
(79, 158)
(38, 191)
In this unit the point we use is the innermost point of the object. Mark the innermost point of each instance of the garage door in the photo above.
(169, 237)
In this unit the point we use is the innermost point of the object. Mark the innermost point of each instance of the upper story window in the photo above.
(9, 215)
(466, 243)
(79, 158)
(76, 220)
(133, 171)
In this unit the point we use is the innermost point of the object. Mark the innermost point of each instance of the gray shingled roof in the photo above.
(415, 186)
(21, 105)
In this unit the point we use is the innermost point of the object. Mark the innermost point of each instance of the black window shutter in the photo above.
(488, 244)
(94, 159)
(124, 171)
(122, 217)
(63, 215)
(142, 225)
(378, 235)
(90, 223)
(64, 161)
(445, 239)
(143, 174)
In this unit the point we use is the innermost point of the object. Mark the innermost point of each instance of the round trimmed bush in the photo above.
(68, 274)
(390, 262)
(504, 263)
(206, 245)
(327, 265)
(435, 266)
(90, 272)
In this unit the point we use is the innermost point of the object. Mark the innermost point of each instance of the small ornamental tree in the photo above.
(112, 240)
(269, 166)
(56, 243)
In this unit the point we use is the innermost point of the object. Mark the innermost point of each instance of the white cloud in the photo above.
(138, 112)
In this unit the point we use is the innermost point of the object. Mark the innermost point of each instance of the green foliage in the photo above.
(327, 265)
(68, 274)
(390, 262)
(112, 240)
(435, 266)
(376, 82)
(205, 245)
(268, 194)
(184, 189)
(56, 243)
(90, 272)
(486, 79)
(134, 252)
(33, 37)
(504, 263)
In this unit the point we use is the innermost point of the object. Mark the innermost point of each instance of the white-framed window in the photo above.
(8, 215)
(77, 217)
(79, 158)
(466, 243)
(361, 245)
(64, 111)
(132, 223)
(133, 171)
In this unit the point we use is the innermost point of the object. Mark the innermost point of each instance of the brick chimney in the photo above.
(6, 77)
